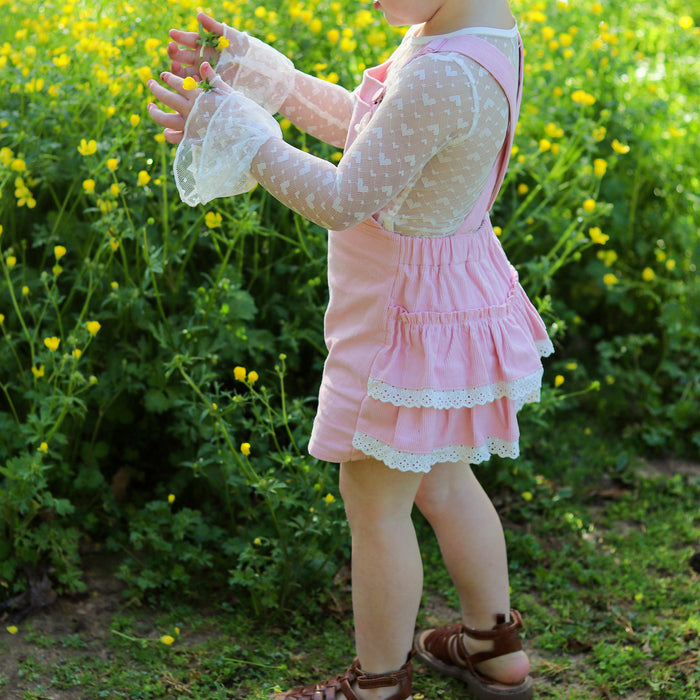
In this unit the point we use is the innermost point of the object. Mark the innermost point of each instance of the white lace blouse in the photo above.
(418, 165)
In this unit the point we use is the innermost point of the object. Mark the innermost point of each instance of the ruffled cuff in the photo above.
(223, 134)
(260, 72)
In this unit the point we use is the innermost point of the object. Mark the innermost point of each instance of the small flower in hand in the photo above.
(179, 95)
(189, 83)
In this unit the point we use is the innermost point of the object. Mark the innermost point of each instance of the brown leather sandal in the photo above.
(444, 651)
(341, 686)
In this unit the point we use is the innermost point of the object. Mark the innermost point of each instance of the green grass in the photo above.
(600, 569)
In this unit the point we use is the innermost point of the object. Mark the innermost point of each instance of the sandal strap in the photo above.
(401, 678)
(341, 686)
(331, 689)
(447, 642)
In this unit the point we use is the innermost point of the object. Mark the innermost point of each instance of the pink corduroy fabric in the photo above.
(433, 345)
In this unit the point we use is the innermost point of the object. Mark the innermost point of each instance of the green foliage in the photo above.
(124, 314)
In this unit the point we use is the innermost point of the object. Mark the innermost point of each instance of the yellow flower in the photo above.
(189, 83)
(167, 639)
(239, 373)
(112, 164)
(257, 541)
(59, 251)
(558, 380)
(523, 188)
(620, 147)
(565, 39)
(599, 167)
(93, 327)
(253, 377)
(77, 353)
(212, 219)
(589, 205)
(134, 120)
(61, 61)
(52, 343)
(11, 261)
(144, 178)
(553, 131)
(686, 22)
(527, 495)
(545, 145)
(648, 274)
(38, 372)
(333, 36)
(2, 319)
(18, 165)
(43, 447)
(245, 448)
(223, 43)
(89, 186)
(12, 629)
(597, 236)
(329, 498)
(25, 290)
(171, 498)
(599, 133)
(582, 97)
(87, 148)
(609, 257)
(610, 279)
(670, 265)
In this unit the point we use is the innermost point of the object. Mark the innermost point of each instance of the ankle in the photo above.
(375, 693)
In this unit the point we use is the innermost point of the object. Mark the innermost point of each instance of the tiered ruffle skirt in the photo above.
(433, 348)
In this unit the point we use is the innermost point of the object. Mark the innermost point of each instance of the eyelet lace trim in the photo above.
(521, 391)
(411, 462)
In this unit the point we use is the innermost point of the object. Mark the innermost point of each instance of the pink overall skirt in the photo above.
(433, 346)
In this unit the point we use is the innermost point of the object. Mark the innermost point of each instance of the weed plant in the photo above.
(158, 364)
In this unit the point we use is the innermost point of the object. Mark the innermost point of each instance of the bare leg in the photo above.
(387, 572)
(471, 540)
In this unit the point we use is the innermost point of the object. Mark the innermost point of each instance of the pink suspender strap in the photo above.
(496, 63)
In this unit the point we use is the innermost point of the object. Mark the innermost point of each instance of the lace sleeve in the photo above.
(319, 108)
(428, 105)
(223, 133)
(255, 69)
(266, 76)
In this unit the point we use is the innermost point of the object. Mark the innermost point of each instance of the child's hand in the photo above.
(178, 98)
(186, 61)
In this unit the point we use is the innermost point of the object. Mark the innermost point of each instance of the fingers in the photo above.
(184, 71)
(178, 100)
(189, 39)
(210, 24)
(207, 72)
(170, 120)
(184, 57)
(172, 136)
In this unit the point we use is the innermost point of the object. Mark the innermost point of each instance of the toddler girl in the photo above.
(433, 346)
